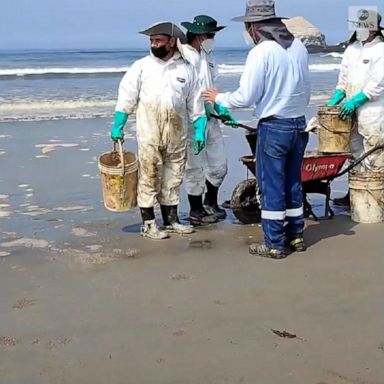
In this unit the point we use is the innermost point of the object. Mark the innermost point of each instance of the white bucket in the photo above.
(367, 197)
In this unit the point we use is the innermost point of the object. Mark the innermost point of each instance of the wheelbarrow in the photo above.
(317, 173)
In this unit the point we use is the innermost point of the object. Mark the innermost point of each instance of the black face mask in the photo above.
(160, 52)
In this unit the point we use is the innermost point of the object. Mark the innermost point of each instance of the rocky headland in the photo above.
(311, 36)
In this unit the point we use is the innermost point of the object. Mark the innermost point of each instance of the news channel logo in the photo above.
(363, 17)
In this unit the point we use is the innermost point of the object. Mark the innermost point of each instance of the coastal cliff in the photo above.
(310, 35)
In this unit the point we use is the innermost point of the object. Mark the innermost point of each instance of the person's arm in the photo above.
(342, 83)
(129, 89)
(373, 89)
(307, 77)
(375, 84)
(128, 95)
(196, 112)
(251, 86)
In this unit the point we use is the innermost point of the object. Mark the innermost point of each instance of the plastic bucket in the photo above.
(334, 134)
(119, 179)
(367, 197)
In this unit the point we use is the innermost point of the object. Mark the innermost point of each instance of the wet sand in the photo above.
(84, 299)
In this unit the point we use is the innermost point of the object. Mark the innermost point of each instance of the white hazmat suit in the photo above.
(362, 70)
(166, 97)
(211, 163)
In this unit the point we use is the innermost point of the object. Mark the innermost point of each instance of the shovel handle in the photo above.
(222, 119)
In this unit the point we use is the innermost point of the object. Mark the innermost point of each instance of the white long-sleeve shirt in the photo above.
(275, 81)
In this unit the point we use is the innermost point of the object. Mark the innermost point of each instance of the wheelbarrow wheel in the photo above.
(244, 202)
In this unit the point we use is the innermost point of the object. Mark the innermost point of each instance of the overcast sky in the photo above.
(34, 24)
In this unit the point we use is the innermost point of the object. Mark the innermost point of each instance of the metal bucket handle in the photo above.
(121, 153)
(330, 130)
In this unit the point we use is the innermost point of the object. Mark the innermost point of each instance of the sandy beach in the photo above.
(85, 299)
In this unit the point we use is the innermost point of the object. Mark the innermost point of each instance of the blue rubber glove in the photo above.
(119, 121)
(337, 96)
(200, 126)
(228, 119)
(350, 106)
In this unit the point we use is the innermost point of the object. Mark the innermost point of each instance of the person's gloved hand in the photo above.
(228, 119)
(119, 121)
(200, 126)
(337, 97)
(350, 106)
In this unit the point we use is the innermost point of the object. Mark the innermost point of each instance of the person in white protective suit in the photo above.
(205, 172)
(164, 91)
(361, 83)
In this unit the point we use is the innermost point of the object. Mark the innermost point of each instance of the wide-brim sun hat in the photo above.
(202, 24)
(165, 28)
(258, 10)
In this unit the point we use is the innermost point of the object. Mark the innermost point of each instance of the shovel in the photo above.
(223, 119)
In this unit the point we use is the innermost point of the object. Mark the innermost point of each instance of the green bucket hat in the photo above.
(202, 24)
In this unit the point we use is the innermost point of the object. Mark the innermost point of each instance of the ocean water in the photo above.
(80, 84)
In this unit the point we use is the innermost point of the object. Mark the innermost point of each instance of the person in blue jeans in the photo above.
(276, 82)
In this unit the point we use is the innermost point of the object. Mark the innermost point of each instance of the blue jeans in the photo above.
(279, 154)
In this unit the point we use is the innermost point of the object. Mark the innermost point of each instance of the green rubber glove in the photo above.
(200, 126)
(350, 106)
(119, 121)
(228, 119)
(337, 96)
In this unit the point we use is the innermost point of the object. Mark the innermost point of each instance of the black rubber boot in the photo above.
(171, 220)
(147, 214)
(149, 228)
(198, 215)
(343, 201)
(210, 202)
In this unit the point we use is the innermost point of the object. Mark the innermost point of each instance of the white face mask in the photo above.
(248, 38)
(207, 45)
(362, 34)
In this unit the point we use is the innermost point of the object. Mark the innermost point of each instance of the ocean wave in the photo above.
(20, 72)
(50, 105)
(38, 110)
(324, 67)
(336, 55)
(61, 71)
(56, 116)
(43, 110)
(224, 69)
(230, 69)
